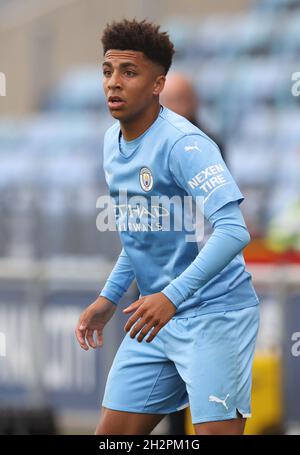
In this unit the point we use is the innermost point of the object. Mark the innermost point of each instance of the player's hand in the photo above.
(152, 312)
(93, 319)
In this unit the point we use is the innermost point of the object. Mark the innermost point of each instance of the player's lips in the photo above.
(115, 102)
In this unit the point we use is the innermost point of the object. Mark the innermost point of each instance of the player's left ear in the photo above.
(159, 84)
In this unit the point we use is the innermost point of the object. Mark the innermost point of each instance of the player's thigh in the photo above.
(126, 423)
(222, 427)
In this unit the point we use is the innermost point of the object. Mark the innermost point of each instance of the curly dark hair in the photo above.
(139, 36)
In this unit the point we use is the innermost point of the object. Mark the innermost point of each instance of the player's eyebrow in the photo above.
(122, 65)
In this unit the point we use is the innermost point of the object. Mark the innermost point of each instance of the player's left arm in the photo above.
(197, 166)
(230, 236)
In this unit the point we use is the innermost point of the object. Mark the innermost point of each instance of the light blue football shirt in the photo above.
(171, 159)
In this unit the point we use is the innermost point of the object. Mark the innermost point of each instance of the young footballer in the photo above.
(191, 335)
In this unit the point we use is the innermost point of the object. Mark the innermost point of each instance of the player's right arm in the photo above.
(96, 315)
(119, 280)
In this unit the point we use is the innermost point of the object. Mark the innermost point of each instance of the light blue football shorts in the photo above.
(204, 362)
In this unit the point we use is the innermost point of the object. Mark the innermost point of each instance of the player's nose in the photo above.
(114, 81)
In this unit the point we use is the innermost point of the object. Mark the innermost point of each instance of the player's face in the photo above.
(131, 83)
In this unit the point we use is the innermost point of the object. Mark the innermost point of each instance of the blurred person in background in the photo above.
(180, 96)
(283, 230)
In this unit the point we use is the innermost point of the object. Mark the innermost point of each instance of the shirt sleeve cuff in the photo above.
(112, 293)
(173, 294)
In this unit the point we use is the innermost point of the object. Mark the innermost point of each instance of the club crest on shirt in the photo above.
(146, 179)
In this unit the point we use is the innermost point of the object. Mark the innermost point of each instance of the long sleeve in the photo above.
(119, 279)
(229, 237)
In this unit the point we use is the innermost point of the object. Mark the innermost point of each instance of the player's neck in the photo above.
(136, 127)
